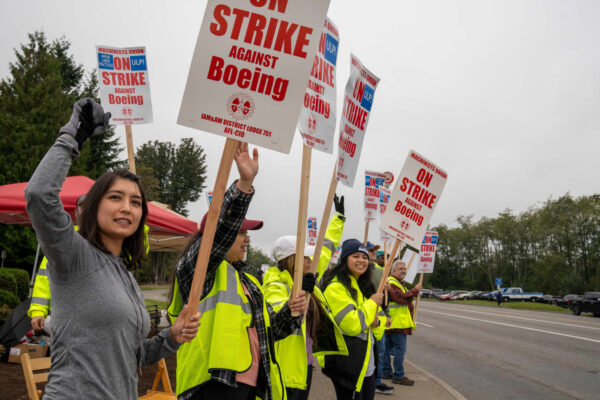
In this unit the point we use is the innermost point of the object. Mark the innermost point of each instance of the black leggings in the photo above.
(298, 394)
(367, 392)
(216, 390)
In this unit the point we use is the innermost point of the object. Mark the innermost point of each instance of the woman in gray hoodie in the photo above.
(100, 322)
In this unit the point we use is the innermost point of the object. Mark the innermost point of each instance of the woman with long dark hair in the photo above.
(353, 301)
(99, 318)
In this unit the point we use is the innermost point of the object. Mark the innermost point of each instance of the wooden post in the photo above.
(385, 250)
(302, 215)
(366, 233)
(418, 298)
(324, 223)
(214, 210)
(388, 265)
(130, 153)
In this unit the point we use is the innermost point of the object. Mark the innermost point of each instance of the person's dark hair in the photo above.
(343, 274)
(134, 246)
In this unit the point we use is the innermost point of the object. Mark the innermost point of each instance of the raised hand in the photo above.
(247, 166)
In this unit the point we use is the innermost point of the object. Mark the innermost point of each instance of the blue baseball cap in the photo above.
(371, 246)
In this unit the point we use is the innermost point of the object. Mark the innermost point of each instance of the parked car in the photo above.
(463, 296)
(472, 295)
(491, 296)
(426, 293)
(550, 299)
(453, 295)
(589, 302)
(436, 293)
(482, 295)
(517, 293)
(567, 300)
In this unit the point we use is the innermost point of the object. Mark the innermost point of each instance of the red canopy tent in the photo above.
(168, 230)
(161, 222)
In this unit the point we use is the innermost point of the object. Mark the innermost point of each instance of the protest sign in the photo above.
(312, 231)
(408, 258)
(427, 253)
(413, 199)
(358, 101)
(389, 178)
(317, 115)
(373, 181)
(124, 85)
(250, 67)
(209, 196)
(246, 82)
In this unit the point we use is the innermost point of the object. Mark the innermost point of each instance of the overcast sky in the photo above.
(504, 95)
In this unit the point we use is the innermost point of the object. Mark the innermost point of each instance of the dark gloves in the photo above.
(88, 119)
(339, 204)
(308, 282)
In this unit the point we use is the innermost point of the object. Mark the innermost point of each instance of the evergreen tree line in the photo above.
(36, 99)
(553, 248)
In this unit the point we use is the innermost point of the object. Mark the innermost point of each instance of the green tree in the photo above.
(179, 172)
(35, 101)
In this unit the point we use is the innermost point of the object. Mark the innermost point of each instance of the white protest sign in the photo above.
(384, 199)
(412, 267)
(317, 115)
(250, 68)
(413, 200)
(124, 84)
(209, 196)
(373, 181)
(312, 230)
(358, 100)
(384, 237)
(427, 253)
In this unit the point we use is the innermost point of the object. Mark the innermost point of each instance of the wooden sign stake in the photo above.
(388, 265)
(324, 223)
(385, 250)
(130, 153)
(418, 298)
(214, 210)
(366, 233)
(302, 216)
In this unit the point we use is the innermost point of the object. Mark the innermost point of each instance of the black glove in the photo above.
(308, 282)
(338, 202)
(88, 119)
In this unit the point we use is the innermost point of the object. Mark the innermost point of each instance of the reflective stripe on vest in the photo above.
(399, 313)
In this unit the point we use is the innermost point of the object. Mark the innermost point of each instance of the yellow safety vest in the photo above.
(354, 319)
(333, 236)
(400, 314)
(291, 351)
(222, 340)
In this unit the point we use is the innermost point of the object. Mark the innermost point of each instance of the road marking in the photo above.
(529, 319)
(514, 326)
(430, 326)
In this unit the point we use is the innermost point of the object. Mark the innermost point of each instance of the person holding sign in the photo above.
(353, 300)
(233, 355)
(401, 311)
(295, 353)
(100, 322)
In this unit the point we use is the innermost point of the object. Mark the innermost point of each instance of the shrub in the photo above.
(22, 278)
(8, 281)
(8, 298)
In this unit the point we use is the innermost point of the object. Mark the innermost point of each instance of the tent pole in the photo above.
(33, 272)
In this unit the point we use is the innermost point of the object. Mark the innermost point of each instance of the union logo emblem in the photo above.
(240, 106)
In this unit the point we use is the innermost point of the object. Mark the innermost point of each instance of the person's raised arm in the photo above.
(235, 205)
(50, 221)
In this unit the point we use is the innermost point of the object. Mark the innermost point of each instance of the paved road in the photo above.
(489, 353)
